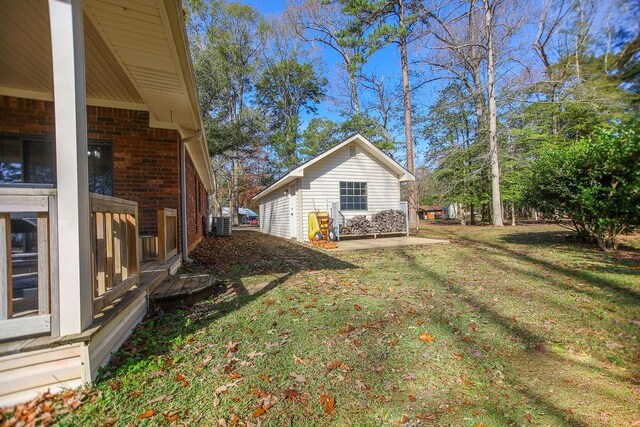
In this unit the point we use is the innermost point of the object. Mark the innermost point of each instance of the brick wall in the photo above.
(146, 161)
(196, 204)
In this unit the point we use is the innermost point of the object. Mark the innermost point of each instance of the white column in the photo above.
(67, 46)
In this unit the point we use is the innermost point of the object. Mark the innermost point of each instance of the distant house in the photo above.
(430, 212)
(102, 159)
(352, 178)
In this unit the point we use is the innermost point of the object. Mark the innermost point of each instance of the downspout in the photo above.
(183, 193)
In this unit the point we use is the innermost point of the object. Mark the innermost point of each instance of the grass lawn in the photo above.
(513, 326)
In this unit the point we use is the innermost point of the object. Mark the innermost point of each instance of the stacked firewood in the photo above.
(359, 224)
(389, 221)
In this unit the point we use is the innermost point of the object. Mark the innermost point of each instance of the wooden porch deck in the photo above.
(184, 289)
(151, 276)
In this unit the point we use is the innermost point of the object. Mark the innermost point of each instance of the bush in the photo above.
(595, 182)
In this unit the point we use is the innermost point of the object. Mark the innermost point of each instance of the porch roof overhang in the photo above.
(402, 173)
(136, 57)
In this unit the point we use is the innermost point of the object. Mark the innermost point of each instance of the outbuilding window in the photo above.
(353, 196)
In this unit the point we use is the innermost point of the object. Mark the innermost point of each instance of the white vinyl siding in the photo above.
(321, 184)
(274, 213)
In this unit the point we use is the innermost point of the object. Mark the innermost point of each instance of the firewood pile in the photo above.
(389, 221)
(359, 224)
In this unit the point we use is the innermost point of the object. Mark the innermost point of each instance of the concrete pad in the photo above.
(384, 242)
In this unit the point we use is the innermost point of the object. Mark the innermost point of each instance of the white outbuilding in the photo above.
(353, 178)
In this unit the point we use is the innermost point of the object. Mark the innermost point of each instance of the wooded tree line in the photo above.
(483, 88)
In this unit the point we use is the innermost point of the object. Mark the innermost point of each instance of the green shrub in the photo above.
(595, 182)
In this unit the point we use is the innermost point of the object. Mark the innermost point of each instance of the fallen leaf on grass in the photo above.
(266, 403)
(171, 416)
(226, 387)
(294, 395)
(357, 307)
(234, 420)
(338, 364)
(299, 360)
(361, 385)
(298, 378)
(135, 393)
(163, 398)
(228, 368)
(412, 398)
(458, 356)
(147, 414)
(258, 392)
(182, 379)
(231, 347)
(426, 337)
(328, 402)
(347, 329)
(401, 422)
(394, 342)
(254, 354)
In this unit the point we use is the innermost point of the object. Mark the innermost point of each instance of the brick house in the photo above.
(102, 161)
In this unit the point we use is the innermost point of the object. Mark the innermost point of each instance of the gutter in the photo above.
(183, 193)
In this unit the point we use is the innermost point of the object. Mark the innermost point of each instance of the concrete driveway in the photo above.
(384, 242)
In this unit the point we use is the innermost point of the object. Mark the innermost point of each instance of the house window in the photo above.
(353, 196)
(100, 168)
(32, 160)
(352, 151)
(27, 160)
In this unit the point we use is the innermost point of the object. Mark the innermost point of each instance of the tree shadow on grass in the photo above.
(623, 294)
(533, 346)
(245, 255)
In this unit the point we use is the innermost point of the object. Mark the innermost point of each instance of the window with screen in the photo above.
(32, 160)
(353, 196)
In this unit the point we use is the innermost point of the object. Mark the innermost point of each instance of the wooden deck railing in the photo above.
(31, 250)
(167, 233)
(116, 266)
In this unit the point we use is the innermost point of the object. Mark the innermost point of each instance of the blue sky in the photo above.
(384, 62)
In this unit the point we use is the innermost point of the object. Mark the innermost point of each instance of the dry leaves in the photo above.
(231, 347)
(298, 378)
(147, 414)
(426, 337)
(181, 378)
(265, 404)
(163, 398)
(328, 403)
(294, 396)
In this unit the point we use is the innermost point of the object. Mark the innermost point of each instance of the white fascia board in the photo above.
(290, 177)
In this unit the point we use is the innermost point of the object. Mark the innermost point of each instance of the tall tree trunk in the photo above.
(233, 199)
(493, 120)
(406, 94)
(472, 217)
(215, 197)
(355, 102)
(513, 214)
(478, 96)
(462, 213)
